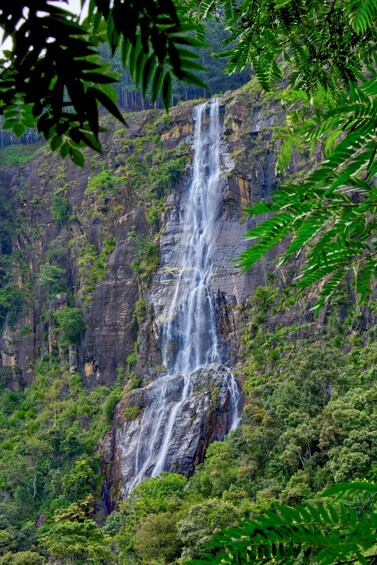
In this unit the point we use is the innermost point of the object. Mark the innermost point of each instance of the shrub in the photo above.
(71, 324)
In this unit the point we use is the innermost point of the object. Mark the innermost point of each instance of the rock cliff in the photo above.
(142, 419)
(108, 231)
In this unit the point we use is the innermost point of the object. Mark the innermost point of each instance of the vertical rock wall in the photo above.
(97, 245)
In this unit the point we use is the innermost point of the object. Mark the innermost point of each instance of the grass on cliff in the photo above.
(17, 155)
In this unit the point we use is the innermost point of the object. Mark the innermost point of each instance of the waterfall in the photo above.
(189, 337)
(192, 324)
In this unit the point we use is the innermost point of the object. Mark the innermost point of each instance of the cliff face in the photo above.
(103, 239)
(92, 224)
(102, 227)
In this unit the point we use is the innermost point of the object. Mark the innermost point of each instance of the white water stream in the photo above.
(192, 323)
(189, 338)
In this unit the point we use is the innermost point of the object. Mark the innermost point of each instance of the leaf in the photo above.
(56, 142)
(19, 129)
(77, 157)
(64, 150)
(346, 488)
(107, 103)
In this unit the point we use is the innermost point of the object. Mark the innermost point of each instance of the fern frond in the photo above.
(325, 533)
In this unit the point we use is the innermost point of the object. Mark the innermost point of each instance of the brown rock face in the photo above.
(105, 227)
(92, 224)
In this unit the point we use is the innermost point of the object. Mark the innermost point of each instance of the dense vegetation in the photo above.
(309, 420)
(310, 415)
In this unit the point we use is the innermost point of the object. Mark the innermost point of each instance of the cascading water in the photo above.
(189, 337)
(192, 324)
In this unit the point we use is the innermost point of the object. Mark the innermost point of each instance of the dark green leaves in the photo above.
(316, 533)
(150, 35)
(331, 214)
(53, 79)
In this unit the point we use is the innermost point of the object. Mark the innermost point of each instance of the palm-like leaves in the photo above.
(326, 42)
(321, 534)
(156, 41)
(332, 212)
(53, 78)
(327, 49)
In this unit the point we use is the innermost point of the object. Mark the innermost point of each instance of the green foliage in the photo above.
(22, 558)
(151, 168)
(148, 257)
(204, 520)
(77, 542)
(139, 312)
(6, 542)
(60, 209)
(154, 493)
(145, 526)
(92, 263)
(71, 324)
(168, 167)
(12, 299)
(322, 533)
(49, 467)
(102, 183)
(132, 358)
(76, 511)
(52, 278)
(38, 91)
(16, 155)
(80, 480)
(109, 405)
(156, 538)
(324, 44)
(131, 413)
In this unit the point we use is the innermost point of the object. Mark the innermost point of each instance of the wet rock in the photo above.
(143, 422)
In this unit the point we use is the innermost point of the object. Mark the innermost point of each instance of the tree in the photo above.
(51, 277)
(156, 540)
(71, 323)
(77, 542)
(325, 50)
(22, 558)
(53, 78)
(203, 520)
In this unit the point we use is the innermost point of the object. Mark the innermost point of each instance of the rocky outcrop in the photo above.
(142, 422)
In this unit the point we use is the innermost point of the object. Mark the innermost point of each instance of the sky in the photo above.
(74, 6)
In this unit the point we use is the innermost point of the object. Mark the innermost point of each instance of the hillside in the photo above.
(88, 271)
